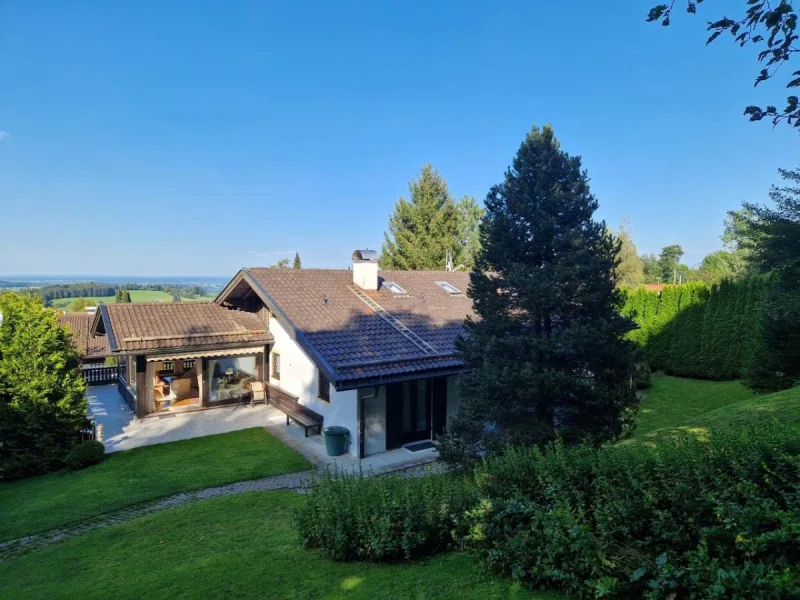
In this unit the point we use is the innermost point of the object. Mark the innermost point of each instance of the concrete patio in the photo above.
(123, 431)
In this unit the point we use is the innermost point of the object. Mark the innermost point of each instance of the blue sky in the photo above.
(155, 138)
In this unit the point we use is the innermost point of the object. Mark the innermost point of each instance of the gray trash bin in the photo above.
(336, 440)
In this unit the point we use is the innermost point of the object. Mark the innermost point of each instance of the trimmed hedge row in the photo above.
(699, 330)
(686, 519)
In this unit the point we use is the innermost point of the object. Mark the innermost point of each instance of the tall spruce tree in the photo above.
(424, 229)
(547, 354)
(297, 264)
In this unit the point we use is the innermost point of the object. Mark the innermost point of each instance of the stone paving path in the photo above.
(298, 482)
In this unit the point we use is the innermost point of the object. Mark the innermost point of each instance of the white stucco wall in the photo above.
(299, 378)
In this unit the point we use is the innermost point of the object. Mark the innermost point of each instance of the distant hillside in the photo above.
(62, 294)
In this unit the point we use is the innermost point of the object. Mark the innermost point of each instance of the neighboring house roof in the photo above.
(349, 340)
(138, 327)
(81, 324)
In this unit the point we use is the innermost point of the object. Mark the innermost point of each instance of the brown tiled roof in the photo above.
(161, 325)
(81, 323)
(352, 338)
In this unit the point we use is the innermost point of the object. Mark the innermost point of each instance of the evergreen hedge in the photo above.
(699, 330)
(686, 519)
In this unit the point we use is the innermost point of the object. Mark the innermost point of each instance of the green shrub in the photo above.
(704, 519)
(642, 376)
(42, 401)
(85, 455)
(388, 518)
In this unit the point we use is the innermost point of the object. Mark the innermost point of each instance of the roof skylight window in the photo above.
(395, 289)
(449, 288)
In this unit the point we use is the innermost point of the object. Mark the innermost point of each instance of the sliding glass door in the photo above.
(229, 379)
(415, 410)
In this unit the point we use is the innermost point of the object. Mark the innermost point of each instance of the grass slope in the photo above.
(674, 401)
(133, 476)
(235, 547)
(676, 405)
(136, 296)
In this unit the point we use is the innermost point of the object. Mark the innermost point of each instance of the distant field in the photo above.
(136, 296)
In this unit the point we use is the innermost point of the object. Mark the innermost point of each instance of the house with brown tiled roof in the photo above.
(366, 349)
(93, 350)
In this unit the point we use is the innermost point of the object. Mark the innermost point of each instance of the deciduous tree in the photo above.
(469, 214)
(80, 304)
(652, 268)
(282, 263)
(721, 265)
(768, 26)
(669, 260)
(630, 271)
(547, 355)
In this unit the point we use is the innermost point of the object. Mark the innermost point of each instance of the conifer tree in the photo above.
(547, 355)
(424, 229)
(297, 264)
(774, 240)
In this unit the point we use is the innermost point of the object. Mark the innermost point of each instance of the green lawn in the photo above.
(239, 546)
(133, 476)
(136, 296)
(675, 405)
(244, 545)
(673, 402)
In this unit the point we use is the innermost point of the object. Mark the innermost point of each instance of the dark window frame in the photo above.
(323, 384)
(275, 359)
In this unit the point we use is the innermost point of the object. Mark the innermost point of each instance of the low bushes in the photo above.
(85, 455)
(350, 516)
(705, 519)
(687, 518)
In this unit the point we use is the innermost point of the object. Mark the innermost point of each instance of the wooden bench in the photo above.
(294, 411)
